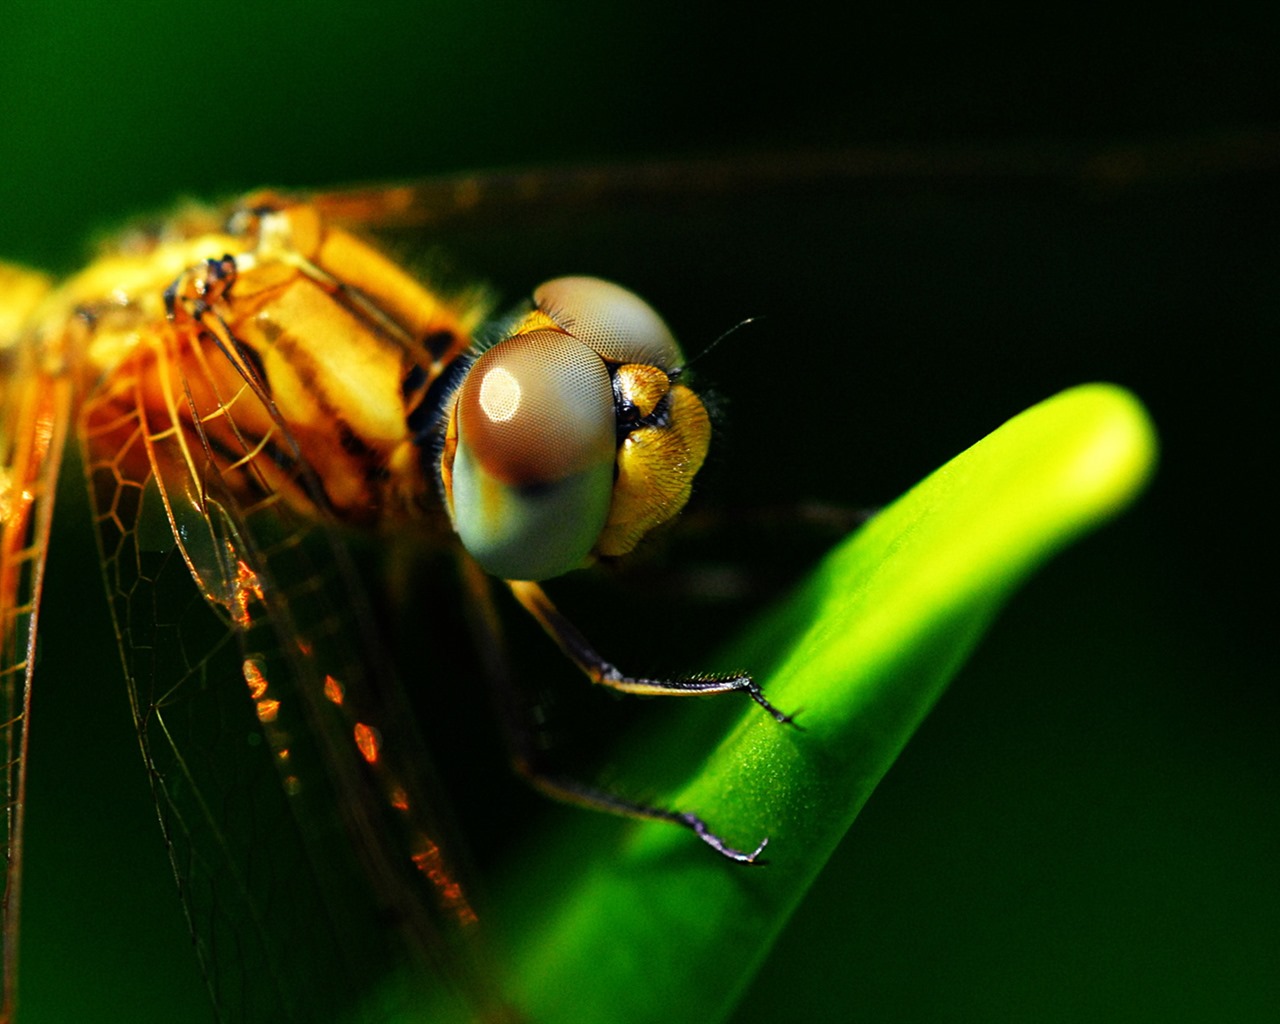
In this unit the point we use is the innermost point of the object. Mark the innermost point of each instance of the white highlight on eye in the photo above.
(500, 394)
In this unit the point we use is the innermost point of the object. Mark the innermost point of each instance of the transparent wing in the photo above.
(34, 408)
(802, 174)
(293, 791)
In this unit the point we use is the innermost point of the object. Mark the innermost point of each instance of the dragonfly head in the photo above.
(572, 437)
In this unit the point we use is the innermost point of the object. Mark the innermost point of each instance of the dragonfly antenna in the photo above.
(736, 327)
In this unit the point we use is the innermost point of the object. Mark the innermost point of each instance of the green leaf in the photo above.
(662, 929)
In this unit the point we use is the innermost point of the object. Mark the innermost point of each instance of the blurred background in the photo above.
(1086, 827)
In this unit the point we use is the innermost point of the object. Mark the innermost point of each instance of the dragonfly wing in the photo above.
(34, 408)
(292, 789)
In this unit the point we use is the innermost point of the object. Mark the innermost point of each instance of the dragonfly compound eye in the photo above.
(532, 471)
(663, 428)
(617, 323)
(571, 438)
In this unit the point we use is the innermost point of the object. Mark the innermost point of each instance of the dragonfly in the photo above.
(259, 393)
(237, 500)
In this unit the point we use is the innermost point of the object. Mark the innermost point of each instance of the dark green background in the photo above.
(1086, 827)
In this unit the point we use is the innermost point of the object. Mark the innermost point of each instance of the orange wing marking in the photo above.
(245, 587)
(368, 742)
(254, 677)
(267, 708)
(333, 690)
(427, 859)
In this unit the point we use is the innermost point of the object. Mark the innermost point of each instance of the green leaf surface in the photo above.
(660, 928)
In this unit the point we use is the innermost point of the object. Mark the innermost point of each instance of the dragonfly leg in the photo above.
(521, 734)
(580, 651)
(572, 791)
